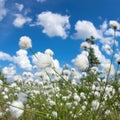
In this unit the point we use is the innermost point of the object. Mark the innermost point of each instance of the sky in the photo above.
(59, 25)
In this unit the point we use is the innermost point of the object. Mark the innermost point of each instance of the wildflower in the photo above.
(5, 97)
(25, 42)
(82, 95)
(1, 83)
(85, 45)
(1, 114)
(69, 105)
(18, 78)
(43, 61)
(83, 107)
(119, 89)
(49, 52)
(16, 109)
(95, 104)
(81, 62)
(114, 24)
(22, 97)
(94, 70)
(66, 72)
(118, 60)
(76, 97)
(109, 90)
(107, 112)
(97, 94)
(54, 113)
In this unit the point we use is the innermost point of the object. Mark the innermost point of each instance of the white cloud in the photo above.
(19, 6)
(22, 60)
(110, 32)
(41, 0)
(20, 20)
(5, 56)
(9, 71)
(85, 29)
(54, 24)
(104, 26)
(107, 48)
(3, 10)
(99, 55)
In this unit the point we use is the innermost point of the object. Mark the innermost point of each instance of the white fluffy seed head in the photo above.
(49, 52)
(25, 42)
(114, 24)
(16, 109)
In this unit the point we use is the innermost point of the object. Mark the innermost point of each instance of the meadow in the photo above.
(88, 91)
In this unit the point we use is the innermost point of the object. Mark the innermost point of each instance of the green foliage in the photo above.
(2, 77)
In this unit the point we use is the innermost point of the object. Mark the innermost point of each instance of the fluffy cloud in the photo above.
(9, 71)
(85, 29)
(41, 0)
(19, 6)
(22, 60)
(54, 24)
(5, 56)
(3, 10)
(99, 54)
(20, 20)
(110, 32)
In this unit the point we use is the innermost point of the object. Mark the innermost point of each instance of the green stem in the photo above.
(112, 55)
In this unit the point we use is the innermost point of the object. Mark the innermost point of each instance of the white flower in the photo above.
(1, 114)
(76, 97)
(25, 42)
(109, 91)
(94, 70)
(85, 45)
(81, 61)
(95, 104)
(18, 78)
(66, 72)
(49, 52)
(1, 84)
(107, 112)
(69, 105)
(82, 95)
(43, 61)
(119, 89)
(22, 97)
(118, 60)
(5, 97)
(16, 109)
(54, 113)
(114, 24)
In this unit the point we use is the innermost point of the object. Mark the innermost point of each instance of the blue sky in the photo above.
(55, 24)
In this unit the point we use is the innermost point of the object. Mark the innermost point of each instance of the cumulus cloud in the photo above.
(3, 10)
(22, 60)
(9, 71)
(107, 48)
(99, 54)
(54, 24)
(19, 6)
(20, 20)
(41, 0)
(85, 29)
(5, 56)
(104, 26)
(110, 32)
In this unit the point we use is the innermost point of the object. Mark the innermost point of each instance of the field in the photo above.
(90, 91)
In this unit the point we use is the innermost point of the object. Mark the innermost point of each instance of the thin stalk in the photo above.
(111, 61)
